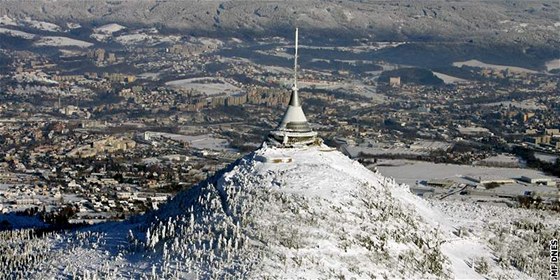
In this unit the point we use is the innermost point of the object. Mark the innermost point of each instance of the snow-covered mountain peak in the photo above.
(307, 212)
(312, 212)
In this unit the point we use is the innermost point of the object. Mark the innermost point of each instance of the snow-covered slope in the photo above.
(279, 213)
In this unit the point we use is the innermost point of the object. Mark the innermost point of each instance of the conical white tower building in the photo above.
(293, 130)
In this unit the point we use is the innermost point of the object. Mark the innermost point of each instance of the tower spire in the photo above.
(295, 62)
(294, 98)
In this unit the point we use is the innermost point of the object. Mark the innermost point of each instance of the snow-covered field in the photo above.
(449, 79)
(207, 85)
(109, 28)
(504, 159)
(552, 64)
(17, 33)
(203, 142)
(58, 41)
(206, 41)
(41, 25)
(73, 25)
(547, 157)
(476, 63)
(6, 20)
(295, 213)
(148, 39)
(409, 172)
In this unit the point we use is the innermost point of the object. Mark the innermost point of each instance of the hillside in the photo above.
(287, 213)
(533, 23)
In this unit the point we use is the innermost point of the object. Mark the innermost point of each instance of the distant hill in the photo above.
(531, 23)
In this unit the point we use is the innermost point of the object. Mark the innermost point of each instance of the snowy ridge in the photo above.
(279, 213)
(300, 213)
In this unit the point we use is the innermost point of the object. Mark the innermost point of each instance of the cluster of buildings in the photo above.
(188, 50)
(547, 140)
(51, 166)
(107, 145)
(102, 57)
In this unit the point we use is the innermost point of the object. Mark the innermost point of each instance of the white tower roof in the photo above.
(294, 118)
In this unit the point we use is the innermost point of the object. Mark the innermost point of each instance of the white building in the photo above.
(293, 130)
(538, 181)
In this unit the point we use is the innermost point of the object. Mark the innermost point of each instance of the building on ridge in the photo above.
(293, 130)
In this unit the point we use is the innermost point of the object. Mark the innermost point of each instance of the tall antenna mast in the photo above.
(295, 62)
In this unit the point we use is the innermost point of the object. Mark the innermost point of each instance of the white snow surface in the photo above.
(109, 28)
(480, 64)
(17, 33)
(207, 85)
(308, 213)
(449, 79)
(58, 41)
(6, 20)
(146, 39)
(41, 25)
(552, 64)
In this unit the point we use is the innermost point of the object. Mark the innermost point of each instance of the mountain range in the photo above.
(500, 22)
